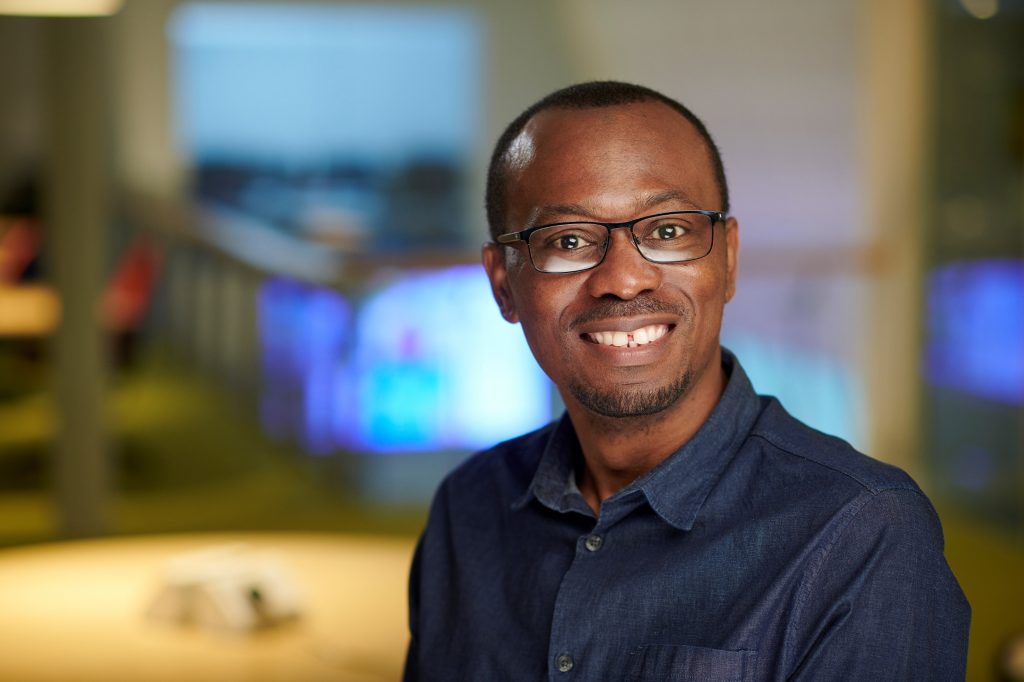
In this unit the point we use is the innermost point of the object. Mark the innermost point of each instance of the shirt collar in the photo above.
(554, 483)
(677, 488)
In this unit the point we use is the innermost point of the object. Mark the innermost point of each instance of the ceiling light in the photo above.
(60, 8)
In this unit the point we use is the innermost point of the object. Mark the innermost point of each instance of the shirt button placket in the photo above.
(564, 662)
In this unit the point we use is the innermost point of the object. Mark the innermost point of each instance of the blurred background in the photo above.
(240, 294)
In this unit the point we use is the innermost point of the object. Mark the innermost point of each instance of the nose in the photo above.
(624, 273)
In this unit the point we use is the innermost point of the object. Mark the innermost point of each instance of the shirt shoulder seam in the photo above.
(874, 489)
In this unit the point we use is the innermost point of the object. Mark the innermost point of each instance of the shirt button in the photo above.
(564, 663)
(594, 542)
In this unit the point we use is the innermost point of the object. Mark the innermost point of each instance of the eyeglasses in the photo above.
(673, 237)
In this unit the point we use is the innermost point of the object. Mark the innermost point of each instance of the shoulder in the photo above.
(871, 525)
(873, 574)
(836, 491)
(822, 457)
(501, 472)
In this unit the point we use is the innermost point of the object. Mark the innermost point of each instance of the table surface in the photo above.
(76, 611)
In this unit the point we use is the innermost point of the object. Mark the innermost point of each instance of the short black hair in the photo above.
(590, 95)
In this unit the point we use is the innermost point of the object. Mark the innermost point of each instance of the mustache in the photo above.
(642, 305)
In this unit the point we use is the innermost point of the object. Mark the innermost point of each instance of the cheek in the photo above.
(548, 348)
(705, 290)
(539, 318)
(541, 307)
(713, 285)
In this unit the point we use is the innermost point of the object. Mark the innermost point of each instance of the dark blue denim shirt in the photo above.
(760, 550)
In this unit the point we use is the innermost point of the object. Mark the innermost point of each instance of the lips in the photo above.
(631, 339)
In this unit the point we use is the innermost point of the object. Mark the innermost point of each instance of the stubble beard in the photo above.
(635, 402)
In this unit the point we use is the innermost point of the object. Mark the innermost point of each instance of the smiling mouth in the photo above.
(633, 339)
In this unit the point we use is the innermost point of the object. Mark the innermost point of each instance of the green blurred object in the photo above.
(189, 458)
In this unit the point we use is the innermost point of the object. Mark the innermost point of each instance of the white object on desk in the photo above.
(227, 587)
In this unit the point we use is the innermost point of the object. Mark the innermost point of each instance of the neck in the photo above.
(619, 450)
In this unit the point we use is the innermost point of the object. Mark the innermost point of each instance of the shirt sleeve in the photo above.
(880, 601)
(424, 586)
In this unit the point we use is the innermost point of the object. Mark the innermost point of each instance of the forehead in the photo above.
(607, 160)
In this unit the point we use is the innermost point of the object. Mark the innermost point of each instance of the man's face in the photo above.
(613, 164)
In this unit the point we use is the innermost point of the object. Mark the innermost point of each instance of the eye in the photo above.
(669, 231)
(565, 239)
(568, 242)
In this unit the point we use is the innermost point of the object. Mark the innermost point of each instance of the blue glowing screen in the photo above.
(976, 329)
(439, 368)
(424, 362)
(304, 332)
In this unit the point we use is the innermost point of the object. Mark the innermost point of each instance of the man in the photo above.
(673, 524)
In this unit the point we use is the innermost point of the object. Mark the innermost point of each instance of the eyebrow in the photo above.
(554, 212)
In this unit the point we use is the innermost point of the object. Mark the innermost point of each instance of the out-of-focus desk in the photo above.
(75, 611)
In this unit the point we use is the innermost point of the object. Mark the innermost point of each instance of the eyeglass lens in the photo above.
(571, 247)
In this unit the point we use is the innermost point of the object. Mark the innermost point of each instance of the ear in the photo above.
(493, 257)
(732, 256)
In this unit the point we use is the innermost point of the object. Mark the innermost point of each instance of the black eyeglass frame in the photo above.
(524, 236)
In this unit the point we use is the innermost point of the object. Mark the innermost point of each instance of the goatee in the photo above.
(636, 402)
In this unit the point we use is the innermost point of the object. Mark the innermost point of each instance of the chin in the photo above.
(634, 402)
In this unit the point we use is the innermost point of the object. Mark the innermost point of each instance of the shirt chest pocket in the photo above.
(683, 662)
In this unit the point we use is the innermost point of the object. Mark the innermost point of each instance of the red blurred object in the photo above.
(130, 289)
(19, 246)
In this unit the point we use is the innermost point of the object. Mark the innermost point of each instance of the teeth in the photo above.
(639, 337)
